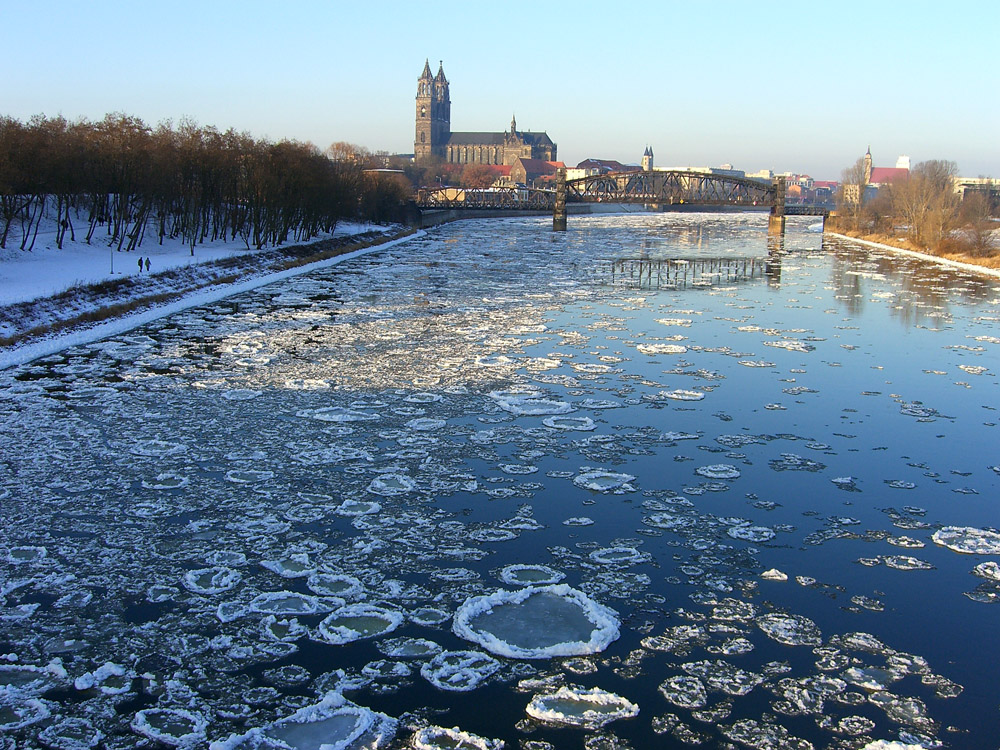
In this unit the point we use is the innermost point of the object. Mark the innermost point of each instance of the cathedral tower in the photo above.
(433, 115)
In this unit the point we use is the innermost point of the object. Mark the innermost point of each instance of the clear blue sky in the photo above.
(791, 86)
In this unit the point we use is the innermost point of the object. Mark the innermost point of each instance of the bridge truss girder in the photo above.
(517, 198)
(670, 187)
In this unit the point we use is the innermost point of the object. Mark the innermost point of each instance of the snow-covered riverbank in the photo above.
(29, 279)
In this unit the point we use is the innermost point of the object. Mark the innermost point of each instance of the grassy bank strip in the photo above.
(965, 264)
(107, 295)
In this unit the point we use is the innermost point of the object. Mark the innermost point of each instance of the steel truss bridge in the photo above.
(656, 188)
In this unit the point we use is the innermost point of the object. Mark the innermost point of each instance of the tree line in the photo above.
(924, 207)
(122, 181)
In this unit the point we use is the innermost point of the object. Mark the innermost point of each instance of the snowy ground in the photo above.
(47, 270)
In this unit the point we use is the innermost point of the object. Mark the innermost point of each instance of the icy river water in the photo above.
(641, 484)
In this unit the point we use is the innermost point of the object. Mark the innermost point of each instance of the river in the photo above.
(768, 477)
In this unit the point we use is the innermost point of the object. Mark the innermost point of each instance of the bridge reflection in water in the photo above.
(684, 273)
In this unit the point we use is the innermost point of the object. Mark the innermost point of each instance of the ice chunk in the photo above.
(619, 555)
(581, 424)
(587, 709)
(356, 621)
(157, 448)
(718, 471)
(166, 481)
(605, 481)
(71, 734)
(988, 570)
(530, 575)
(26, 554)
(537, 622)
(213, 580)
(752, 533)
(968, 540)
(332, 724)
(391, 484)
(459, 671)
(109, 679)
(286, 603)
(17, 712)
(176, 727)
(409, 648)
(685, 691)
(338, 414)
(27, 679)
(440, 738)
(334, 584)
(774, 575)
(653, 349)
(529, 403)
(792, 630)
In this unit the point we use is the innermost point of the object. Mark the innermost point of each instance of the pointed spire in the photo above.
(440, 75)
(513, 124)
(427, 70)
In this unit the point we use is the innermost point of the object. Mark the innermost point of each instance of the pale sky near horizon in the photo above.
(778, 85)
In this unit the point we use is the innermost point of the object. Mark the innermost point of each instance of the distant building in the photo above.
(434, 136)
(884, 175)
(647, 160)
(603, 165)
(533, 172)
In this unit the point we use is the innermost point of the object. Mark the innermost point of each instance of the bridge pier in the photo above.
(776, 222)
(559, 211)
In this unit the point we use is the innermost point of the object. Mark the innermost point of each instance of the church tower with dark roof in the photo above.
(433, 115)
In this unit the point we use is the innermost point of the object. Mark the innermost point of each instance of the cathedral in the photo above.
(434, 137)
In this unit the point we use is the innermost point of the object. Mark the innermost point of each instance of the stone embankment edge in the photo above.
(922, 256)
(19, 355)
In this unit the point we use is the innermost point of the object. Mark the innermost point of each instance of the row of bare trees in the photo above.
(923, 205)
(120, 180)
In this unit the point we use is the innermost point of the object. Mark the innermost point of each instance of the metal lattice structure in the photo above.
(514, 198)
(659, 188)
(669, 188)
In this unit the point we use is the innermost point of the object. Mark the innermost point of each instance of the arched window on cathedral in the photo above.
(422, 137)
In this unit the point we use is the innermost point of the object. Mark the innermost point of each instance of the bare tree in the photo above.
(926, 201)
(851, 197)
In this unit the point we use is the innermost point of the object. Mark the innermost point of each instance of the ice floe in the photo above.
(537, 622)
(356, 621)
(441, 738)
(459, 671)
(587, 709)
(334, 723)
(968, 540)
(175, 727)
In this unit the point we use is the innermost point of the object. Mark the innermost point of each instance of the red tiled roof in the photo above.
(882, 175)
(540, 166)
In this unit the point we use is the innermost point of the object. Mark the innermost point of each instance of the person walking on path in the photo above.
(140, 265)
(147, 264)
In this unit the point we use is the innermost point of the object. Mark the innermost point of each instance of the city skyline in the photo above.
(783, 87)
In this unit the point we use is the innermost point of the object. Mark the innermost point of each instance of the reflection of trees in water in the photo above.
(923, 291)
